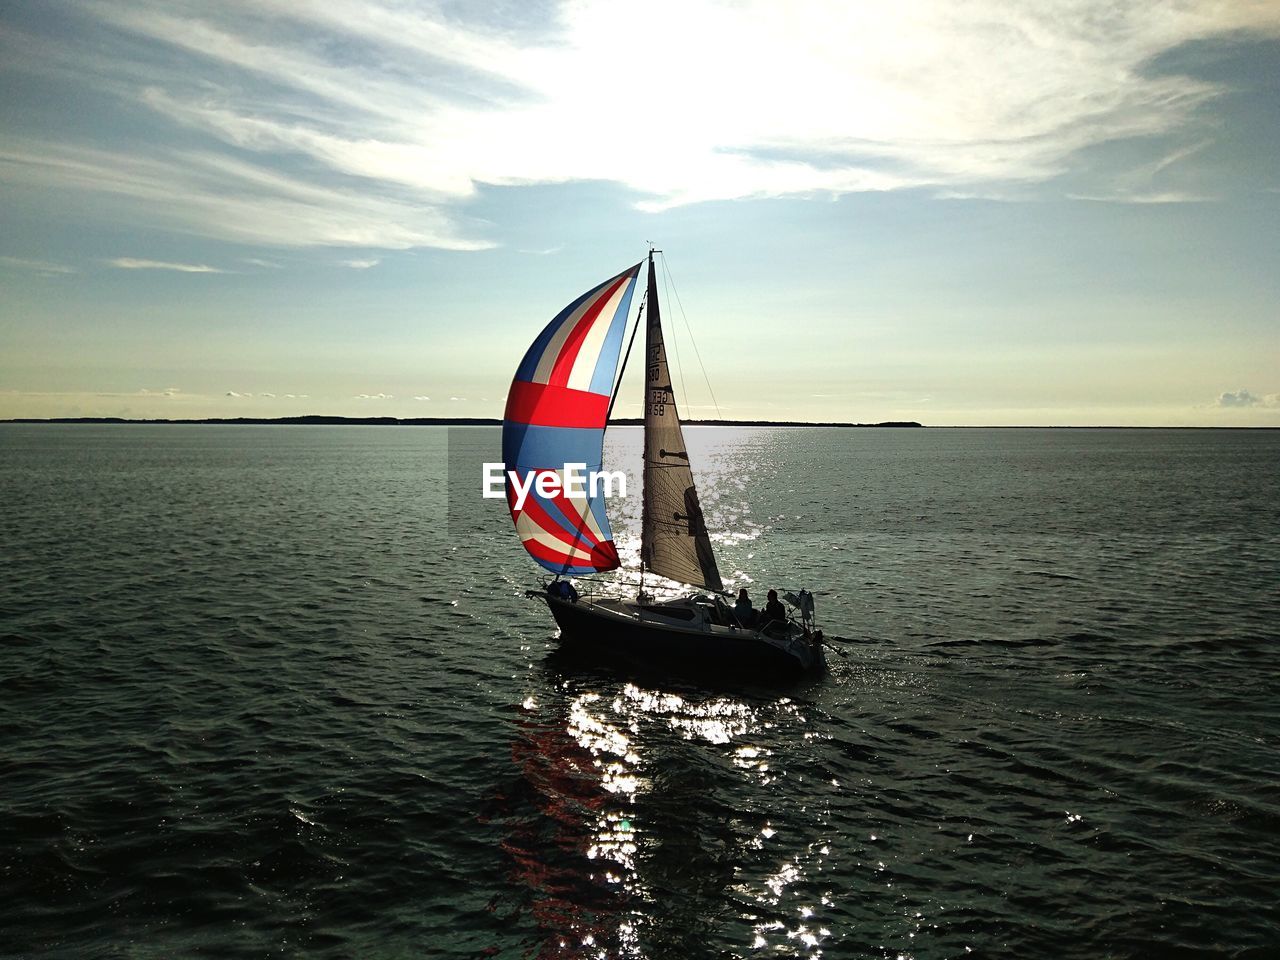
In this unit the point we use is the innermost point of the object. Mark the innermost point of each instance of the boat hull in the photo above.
(590, 630)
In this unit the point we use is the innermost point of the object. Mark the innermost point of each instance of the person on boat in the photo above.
(563, 589)
(774, 611)
(743, 611)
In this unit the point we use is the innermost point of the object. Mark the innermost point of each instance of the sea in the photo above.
(279, 691)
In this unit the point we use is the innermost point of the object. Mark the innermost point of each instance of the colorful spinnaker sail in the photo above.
(555, 416)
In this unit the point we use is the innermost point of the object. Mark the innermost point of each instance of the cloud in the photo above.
(1147, 182)
(128, 263)
(1243, 398)
(1168, 196)
(371, 124)
(361, 264)
(296, 396)
(232, 393)
(373, 396)
(206, 193)
(422, 398)
(39, 266)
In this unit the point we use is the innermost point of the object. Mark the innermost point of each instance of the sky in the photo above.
(981, 213)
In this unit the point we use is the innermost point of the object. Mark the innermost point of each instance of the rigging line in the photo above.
(623, 369)
(696, 352)
(675, 342)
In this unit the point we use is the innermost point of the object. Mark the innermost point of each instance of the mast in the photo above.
(673, 542)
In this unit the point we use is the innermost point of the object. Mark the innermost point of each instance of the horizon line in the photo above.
(327, 420)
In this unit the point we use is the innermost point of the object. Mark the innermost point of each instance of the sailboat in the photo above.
(557, 411)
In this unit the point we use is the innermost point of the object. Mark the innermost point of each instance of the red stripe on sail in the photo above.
(603, 556)
(538, 514)
(573, 343)
(549, 405)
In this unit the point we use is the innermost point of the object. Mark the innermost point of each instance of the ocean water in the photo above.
(278, 691)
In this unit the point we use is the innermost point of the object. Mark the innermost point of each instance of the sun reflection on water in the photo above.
(630, 782)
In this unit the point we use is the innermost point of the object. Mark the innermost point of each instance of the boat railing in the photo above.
(585, 589)
(800, 614)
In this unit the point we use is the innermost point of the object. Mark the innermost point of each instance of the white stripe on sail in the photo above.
(528, 529)
(584, 365)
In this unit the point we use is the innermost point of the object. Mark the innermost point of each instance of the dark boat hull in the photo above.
(743, 654)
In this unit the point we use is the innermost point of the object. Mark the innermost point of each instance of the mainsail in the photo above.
(673, 539)
(556, 412)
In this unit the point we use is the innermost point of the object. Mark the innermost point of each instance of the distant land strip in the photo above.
(441, 422)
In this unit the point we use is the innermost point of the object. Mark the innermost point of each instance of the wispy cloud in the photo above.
(361, 264)
(266, 395)
(1148, 182)
(167, 392)
(422, 398)
(1121, 196)
(370, 124)
(129, 263)
(208, 193)
(1243, 398)
(373, 396)
(38, 266)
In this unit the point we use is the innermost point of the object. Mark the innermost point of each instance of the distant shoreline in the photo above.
(629, 422)
(434, 422)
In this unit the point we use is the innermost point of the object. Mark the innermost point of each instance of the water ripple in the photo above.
(254, 702)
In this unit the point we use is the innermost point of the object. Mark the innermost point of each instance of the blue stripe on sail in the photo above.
(568, 571)
(527, 447)
(607, 362)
